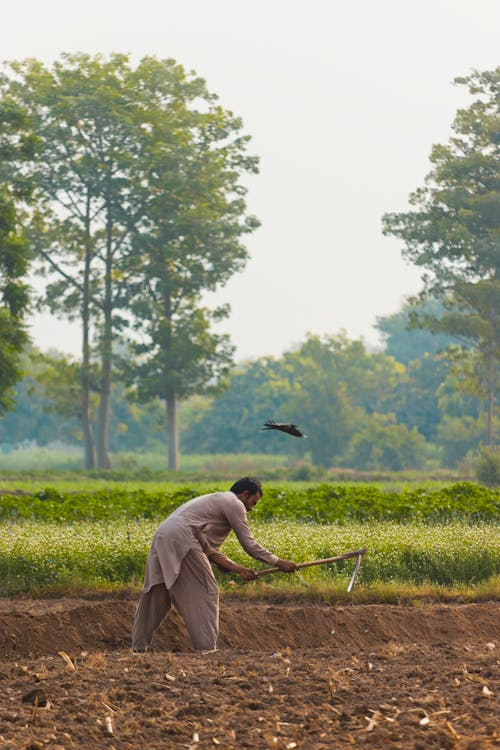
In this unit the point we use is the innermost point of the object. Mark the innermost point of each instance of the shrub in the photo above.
(319, 503)
(488, 467)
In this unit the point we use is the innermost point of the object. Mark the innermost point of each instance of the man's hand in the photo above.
(287, 566)
(247, 574)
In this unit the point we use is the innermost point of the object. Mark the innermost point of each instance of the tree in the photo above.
(189, 242)
(137, 187)
(381, 443)
(16, 144)
(337, 383)
(87, 123)
(454, 231)
(230, 423)
(406, 342)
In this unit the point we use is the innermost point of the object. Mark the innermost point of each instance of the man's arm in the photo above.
(224, 563)
(248, 574)
(237, 520)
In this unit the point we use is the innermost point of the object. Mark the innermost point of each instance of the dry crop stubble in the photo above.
(388, 677)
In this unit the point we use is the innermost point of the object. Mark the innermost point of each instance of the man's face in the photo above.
(250, 501)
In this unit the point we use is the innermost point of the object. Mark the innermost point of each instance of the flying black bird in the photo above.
(290, 429)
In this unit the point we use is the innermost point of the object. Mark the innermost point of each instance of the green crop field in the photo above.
(61, 539)
(317, 503)
(37, 555)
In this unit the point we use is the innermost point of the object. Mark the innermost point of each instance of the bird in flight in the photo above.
(289, 428)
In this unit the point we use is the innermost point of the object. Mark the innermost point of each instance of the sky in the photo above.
(343, 100)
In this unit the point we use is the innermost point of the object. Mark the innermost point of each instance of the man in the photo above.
(178, 567)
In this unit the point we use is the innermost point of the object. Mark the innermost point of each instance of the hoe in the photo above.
(359, 554)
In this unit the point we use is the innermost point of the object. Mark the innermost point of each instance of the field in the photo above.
(301, 663)
(284, 677)
(52, 557)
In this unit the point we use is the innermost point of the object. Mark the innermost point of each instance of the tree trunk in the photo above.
(88, 437)
(491, 392)
(106, 353)
(105, 396)
(172, 433)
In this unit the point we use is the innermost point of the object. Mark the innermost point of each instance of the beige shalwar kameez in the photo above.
(178, 570)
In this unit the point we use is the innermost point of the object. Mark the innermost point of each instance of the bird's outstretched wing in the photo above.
(288, 427)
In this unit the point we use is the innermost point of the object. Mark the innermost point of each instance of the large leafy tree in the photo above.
(140, 212)
(83, 112)
(187, 185)
(453, 231)
(17, 148)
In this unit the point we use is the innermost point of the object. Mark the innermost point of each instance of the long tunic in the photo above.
(205, 521)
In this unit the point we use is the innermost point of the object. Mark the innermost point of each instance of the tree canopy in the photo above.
(17, 148)
(453, 232)
(139, 210)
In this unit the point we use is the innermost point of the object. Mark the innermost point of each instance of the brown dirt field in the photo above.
(284, 677)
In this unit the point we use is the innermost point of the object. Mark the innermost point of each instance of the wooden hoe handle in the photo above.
(358, 553)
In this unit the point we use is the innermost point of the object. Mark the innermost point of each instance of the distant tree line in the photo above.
(121, 186)
(399, 409)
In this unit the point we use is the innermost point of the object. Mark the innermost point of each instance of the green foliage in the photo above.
(416, 397)
(139, 211)
(326, 503)
(488, 467)
(49, 555)
(257, 390)
(15, 138)
(453, 233)
(404, 341)
(319, 503)
(457, 436)
(329, 386)
(383, 443)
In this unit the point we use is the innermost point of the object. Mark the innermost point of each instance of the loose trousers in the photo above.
(195, 595)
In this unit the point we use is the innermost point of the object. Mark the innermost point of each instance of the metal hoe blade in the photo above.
(356, 570)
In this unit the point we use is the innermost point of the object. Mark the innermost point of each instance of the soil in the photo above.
(284, 677)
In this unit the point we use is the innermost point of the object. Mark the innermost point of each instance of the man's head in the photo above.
(248, 490)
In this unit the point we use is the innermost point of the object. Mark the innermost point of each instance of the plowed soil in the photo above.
(284, 677)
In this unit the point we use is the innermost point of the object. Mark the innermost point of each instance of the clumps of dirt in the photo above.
(33, 628)
(392, 695)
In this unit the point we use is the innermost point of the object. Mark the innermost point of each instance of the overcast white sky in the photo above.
(343, 100)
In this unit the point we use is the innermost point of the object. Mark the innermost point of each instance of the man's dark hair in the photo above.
(247, 483)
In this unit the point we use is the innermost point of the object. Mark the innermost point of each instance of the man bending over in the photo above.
(178, 569)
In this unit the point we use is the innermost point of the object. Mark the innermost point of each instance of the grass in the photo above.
(379, 592)
(34, 464)
(48, 460)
